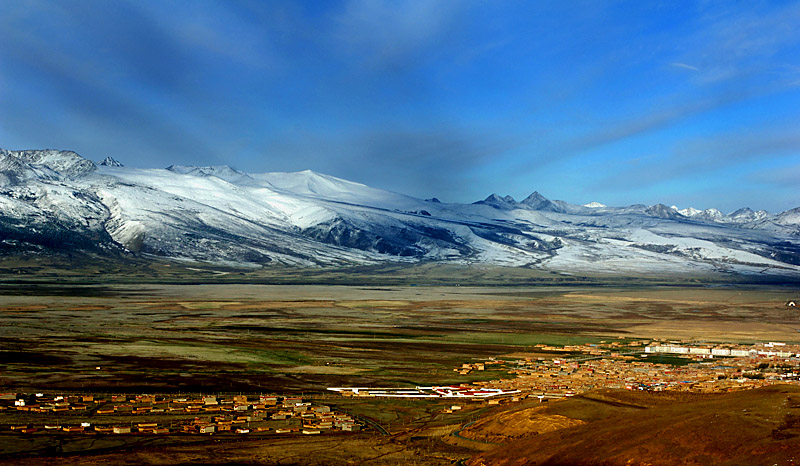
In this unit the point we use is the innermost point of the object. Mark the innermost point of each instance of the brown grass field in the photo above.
(289, 339)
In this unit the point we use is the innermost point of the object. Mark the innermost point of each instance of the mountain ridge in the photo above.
(223, 215)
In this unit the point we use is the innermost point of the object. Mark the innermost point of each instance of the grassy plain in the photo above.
(283, 338)
(286, 339)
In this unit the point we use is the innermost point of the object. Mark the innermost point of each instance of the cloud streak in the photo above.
(684, 66)
(731, 159)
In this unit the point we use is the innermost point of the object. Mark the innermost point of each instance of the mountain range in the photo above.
(55, 201)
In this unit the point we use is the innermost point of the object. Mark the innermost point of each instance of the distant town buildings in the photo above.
(237, 414)
(697, 367)
(456, 391)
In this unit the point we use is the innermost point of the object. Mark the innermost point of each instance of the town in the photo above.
(652, 365)
(556, 372)
(655, 365)
(149, 414)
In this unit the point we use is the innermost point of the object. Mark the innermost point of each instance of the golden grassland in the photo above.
(159, 338)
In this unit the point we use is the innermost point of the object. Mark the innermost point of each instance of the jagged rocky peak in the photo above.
(64, 162)
(8, 161)
(790, 217)
(223, 172)
(743, 212)
(538, 202)
(211, 170)
(663, 211)
(496, 201)
(535, 197)
(111, 162)
(707, 215)
(491, 198)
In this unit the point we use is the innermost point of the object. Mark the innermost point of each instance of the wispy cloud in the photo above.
(736, 41)
(714, 154)
(222, 30)
(784, 176)
(684, 66)
(393, 34)
(108, 87)
(556, 149)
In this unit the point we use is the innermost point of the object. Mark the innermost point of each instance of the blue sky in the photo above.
(687, 103)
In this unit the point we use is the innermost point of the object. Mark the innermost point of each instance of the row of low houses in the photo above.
(771, 351)
(236, 414)
(454, 391)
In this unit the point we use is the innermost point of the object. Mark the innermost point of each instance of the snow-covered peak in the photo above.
(65, 163)
(111, 162)
(305, 218)
(538, 202)
(505, 202)
(747, 215)
(223, 172)
(594, 205)
(316, 185)
(312, 183)
(535, 198)
(211, 170)
(709, 215)
(790, 217)
(689, 211)
(493, 198)
(662, 211)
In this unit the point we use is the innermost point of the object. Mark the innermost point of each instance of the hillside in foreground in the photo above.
(760, 426)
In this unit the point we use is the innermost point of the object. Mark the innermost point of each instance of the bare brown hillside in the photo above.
(755, 427)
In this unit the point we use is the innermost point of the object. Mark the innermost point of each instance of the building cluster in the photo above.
(696, 367)
(148, 414)
(468, 367)
(781, 350)
(454, 391)
(620, 364)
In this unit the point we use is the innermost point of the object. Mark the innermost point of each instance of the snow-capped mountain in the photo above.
(594, 205)
(57, 200)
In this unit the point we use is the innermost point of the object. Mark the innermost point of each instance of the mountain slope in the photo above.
(747, 427)
(57, 199)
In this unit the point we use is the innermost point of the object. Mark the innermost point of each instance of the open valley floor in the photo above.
(240, 374)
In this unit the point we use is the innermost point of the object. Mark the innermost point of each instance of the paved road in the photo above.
(372, 423)
(457, 434)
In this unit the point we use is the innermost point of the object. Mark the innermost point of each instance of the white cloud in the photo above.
(740, 41)
(684, 66)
